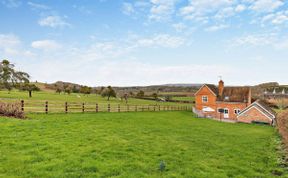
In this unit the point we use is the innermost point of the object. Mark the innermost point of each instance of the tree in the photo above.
(67, 89)
(75, 89)
(155, 96)
(131, 93)
(58, 90)
(85, 90)
(140, 94)
(108, 92)
(9, 77)
(29, 87)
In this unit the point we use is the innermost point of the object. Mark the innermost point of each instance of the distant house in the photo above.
(257, 112)
(231, 103)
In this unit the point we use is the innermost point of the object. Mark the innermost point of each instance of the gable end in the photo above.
(208, 89)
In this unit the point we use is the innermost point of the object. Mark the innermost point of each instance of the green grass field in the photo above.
(133, 145)
(43, 96)
(188, 98)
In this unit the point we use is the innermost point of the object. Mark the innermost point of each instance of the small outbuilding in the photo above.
(257, 112)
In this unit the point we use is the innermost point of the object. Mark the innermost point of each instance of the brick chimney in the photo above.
(250, 96)
(221, 88)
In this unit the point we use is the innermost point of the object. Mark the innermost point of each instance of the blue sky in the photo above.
(144, 42)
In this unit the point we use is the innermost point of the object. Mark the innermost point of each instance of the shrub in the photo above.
(11, 110)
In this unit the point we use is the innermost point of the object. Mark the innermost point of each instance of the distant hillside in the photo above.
(184, 89)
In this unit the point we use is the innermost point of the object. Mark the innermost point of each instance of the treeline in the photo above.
(10, 78)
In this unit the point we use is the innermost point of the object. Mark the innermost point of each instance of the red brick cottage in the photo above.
(232, 103)
(210, 100)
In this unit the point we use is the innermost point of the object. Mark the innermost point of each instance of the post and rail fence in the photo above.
(77, 107)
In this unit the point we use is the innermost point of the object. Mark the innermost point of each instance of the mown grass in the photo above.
(133, 145)
(74, 97)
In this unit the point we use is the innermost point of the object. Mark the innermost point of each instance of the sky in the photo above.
(147, 42)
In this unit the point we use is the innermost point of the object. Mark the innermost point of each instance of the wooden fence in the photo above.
(76, 107)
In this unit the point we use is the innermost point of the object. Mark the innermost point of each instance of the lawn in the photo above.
(133, 145)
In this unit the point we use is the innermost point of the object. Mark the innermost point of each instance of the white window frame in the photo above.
(205, 101)
(237, 111)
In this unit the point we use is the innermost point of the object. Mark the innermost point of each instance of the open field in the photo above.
(43, 96)
(188, 98)
(133, 145)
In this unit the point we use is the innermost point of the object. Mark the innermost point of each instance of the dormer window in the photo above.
(226, 98)
(204, 99)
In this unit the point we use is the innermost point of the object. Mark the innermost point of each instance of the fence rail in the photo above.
(74, 107)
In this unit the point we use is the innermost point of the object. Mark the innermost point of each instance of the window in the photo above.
(220, 110)
(237, 111)
(204, 99)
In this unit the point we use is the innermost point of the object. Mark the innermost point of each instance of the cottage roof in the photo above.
(231, 94)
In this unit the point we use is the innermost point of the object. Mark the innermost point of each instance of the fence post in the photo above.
(96, 107)
(154, 108)
(127, 108)
(159, 108)
(118, 107)
(108, 108)
(135, 108)
(66, 107)
(46, 107)
(22, 105)
(83, 107)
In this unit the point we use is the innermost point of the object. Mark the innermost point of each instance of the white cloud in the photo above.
(11, 46)
(216, 27)
(254, 40)
(38, 6)
(200, 8)
(240, 8)
(161, 40)
(116, 49)
(162, 9)
(137, 73)
(225, 12)
(179, 27)
(53, 21)
(277, 18)
(46, 45)
(125, 72)
(266, 5)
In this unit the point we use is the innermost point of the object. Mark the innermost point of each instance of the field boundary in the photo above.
(82, 107)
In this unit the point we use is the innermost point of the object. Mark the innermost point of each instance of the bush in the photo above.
(11, 110)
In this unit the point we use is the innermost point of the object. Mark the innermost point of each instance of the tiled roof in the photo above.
(266, 107)
(231, 94)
